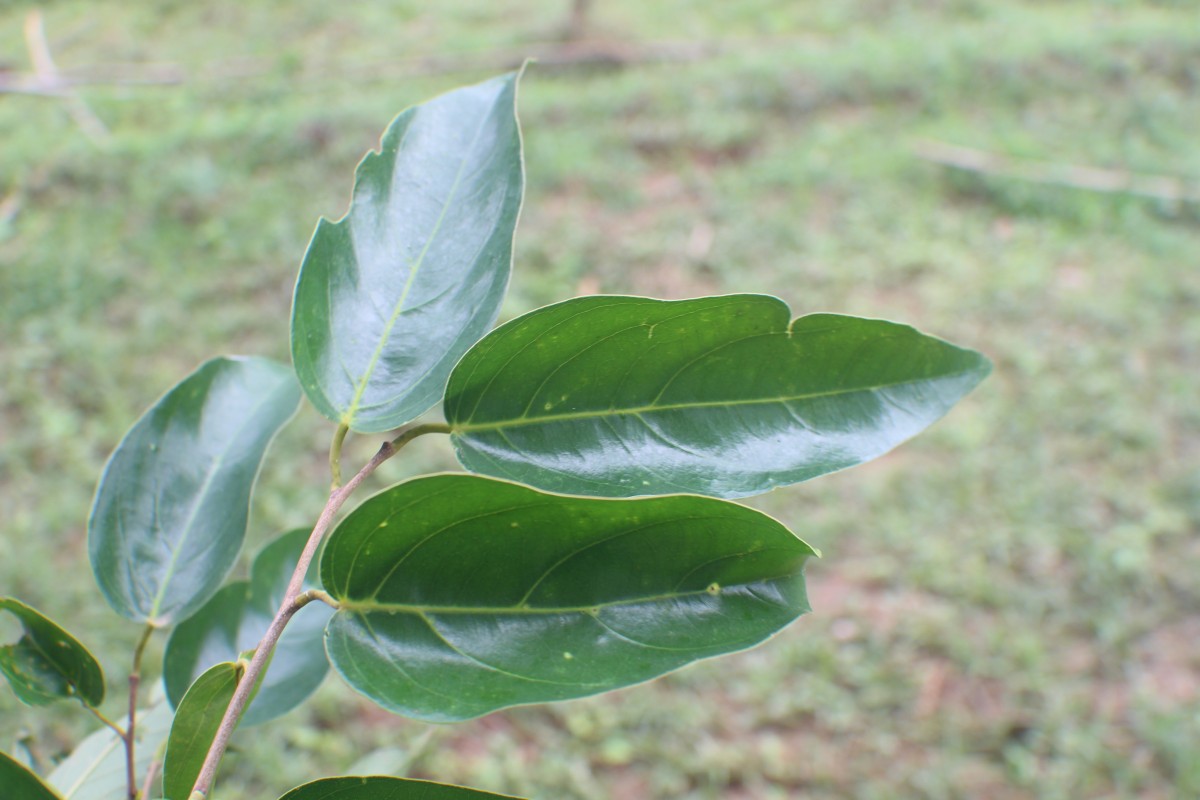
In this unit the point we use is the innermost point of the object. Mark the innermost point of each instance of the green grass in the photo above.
(1007, 605)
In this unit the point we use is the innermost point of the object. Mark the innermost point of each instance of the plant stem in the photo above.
(335, 455)
(293, 600)
(135, 678)
(116, 728)
(318, 594)
(150, 773)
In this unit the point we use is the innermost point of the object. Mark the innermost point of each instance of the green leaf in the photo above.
(379, 788)
(170, 512)
(391, 296)
(195, 726)
(234, 621)
(21, 784)
(461, 595)
(95, 770)
(47, 663)
(622, 396)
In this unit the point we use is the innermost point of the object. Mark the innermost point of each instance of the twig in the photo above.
(51, 82)
(135, 677)
(293, 600)
(117, 729)
(1093, 179)
(25, 83)
(150, 775)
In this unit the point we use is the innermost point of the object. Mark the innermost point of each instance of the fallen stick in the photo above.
(49, 80)
(1092, 179)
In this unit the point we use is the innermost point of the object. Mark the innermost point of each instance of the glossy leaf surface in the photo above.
(95, 770)
(18, 783)
(170, 513)
(235, 619)
(47, 663)
(381, 788)
(623, 396)
(391, 296)
(195, 725)
(461, 595)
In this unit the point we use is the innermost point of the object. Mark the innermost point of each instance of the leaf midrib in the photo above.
(524, 421)
(217, 464)
(422, 610)
(355, 402)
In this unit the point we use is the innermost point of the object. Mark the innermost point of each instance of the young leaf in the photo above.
(21, 784)
(234, 621)
(622, 396)
(380, 788)
(95, 769)
(170, 513)
(390, 296)
(48, 663)
(195, 725)
(461, 595)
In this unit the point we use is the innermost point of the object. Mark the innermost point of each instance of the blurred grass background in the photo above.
(1008, 605)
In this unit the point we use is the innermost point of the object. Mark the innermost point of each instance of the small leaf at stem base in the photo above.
(195, 726)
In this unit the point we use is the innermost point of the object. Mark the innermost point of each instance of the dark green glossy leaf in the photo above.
(393, 294)
(381, 788)
(47, 663)
(95, 770)
(195, 726)
(622, 396)
(235, 619)
(18, 783)
(170, 512)
(461, 595)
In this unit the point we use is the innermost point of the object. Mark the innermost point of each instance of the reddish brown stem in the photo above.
(135, 678)
(293, 601)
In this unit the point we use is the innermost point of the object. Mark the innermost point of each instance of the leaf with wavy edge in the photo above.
(725, 396)
(460, 595)
(391, 296)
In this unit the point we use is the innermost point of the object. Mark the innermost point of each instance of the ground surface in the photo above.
(1007, 606)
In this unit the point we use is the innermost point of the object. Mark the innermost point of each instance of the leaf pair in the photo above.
(609, 396)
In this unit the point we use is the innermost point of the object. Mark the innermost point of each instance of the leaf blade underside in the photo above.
(171, 509)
